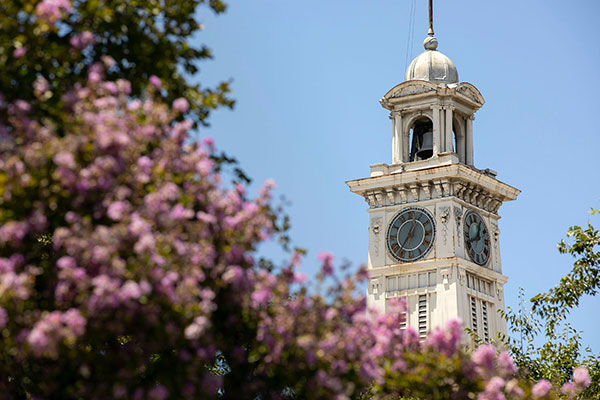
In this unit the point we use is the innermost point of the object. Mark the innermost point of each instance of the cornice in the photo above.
(466, 183)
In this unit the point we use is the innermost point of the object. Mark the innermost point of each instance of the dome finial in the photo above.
(430, 32)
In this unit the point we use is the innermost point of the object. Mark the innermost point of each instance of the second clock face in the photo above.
(410, 234)
(477, 238)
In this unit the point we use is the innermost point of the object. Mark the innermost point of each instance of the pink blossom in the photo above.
(81, 40)
(506, 365)
(138, 225)
(204, 166)
(581, 377)
(40, 86)
(325, 256)
(66, 262)
(131, 290)
(197, 328)
(38, 340)
(209, 143)
(3, 318)
(181, 104)
(65, 159)
(108, 61)
(20, 51)
(179, 212)
(52, 11)
(13, 231)
(261, 297)
(484, 358)
(117, 210)
(146, 243)
(22, 106)
(155, 81)
(111, 87)
(493, 390)
(300, 277)
(74, 321)
(95, 73)
(540, 389)
(568, 388)
(513, 389)
(158, 393)
(124, 86)
(270, 184)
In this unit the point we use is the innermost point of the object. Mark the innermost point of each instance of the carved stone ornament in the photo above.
(458, 214)
(376, 228)
(409, 88)
(495, 231)
(375, 225)
(469, 91)
(444, 213)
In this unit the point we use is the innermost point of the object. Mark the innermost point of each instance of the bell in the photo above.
(425, 150)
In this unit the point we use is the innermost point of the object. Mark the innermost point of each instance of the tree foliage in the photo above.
(58, 41)
(546, 319)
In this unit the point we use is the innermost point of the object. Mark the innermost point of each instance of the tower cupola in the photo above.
(432, 65)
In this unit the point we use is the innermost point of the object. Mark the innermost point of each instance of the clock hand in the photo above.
(410, 233)
(476, 238)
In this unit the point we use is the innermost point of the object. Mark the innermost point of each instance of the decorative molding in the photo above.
(391, 195)
(414, 189)
(427, 189)
(446, 274)
(410, 88)
(422, 190)
(437, 184)
(376, 230)
(462, 277)
(458, 213)
(403, 194)
(444, 213)
(470, 92)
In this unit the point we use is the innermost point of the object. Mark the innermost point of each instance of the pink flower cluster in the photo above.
(55, 328)
(82, 40)
(143, 239)
(52, 11)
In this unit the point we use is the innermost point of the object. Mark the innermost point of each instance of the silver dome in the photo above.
(432, 66)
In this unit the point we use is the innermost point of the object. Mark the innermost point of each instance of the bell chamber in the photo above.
(422, 140)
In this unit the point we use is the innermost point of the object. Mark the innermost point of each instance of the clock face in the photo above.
(477, 238)
(410, 234)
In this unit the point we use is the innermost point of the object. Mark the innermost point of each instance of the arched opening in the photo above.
(421, 139)
(459, 139)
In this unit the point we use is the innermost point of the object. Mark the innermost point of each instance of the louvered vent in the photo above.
(422, 316)
(474, 314)
(484, 318)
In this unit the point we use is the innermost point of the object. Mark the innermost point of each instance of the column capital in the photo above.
(472, 117)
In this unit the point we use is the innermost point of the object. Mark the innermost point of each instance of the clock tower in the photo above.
(433, 215)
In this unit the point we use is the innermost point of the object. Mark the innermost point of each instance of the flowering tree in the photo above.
(127, 268)
(58, 40)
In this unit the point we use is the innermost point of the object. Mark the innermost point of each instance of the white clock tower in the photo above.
(433, 216)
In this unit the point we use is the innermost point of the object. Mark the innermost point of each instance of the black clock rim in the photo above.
(433, 230)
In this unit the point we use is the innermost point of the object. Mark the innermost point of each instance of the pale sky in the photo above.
(308, 76)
